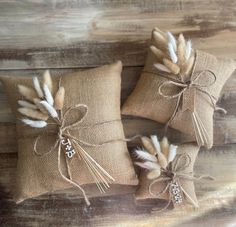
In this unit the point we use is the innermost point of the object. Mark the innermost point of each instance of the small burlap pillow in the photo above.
(100, 132)
(186, 105)
(182, 167)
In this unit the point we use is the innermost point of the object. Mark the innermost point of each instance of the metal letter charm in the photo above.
(66, 143)
(177, 196)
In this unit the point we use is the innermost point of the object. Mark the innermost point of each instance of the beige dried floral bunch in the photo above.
(173, 56)
(39, 103)
(155, 155)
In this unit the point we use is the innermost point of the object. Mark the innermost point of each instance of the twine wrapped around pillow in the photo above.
(167, 172)
(70, 134)
(179, 87)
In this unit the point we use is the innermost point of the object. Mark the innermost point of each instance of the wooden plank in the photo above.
(82, 54)
(65, 209)
(75, 33)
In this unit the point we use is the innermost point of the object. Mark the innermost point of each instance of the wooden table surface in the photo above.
(76, 34)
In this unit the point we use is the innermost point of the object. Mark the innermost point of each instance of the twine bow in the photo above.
(192, 83)
(68, 142)
(172, 175)
(186, 98)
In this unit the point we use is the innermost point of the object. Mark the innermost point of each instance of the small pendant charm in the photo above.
(176, 193)
(67, 145)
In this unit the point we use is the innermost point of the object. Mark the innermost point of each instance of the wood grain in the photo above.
(78, 34)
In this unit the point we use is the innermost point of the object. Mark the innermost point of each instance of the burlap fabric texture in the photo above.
(99, 89)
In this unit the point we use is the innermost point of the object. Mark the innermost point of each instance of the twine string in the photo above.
(184, 86)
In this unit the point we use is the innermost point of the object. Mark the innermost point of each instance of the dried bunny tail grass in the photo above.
(27, 104)
(165, 146)
(148, 165)
(161, 157)
(144, 155)
(187, 67)
(188, 49)
(48, 80)
(51, 111)
(172, 153)
(34, 124)
(59, 98)
(171, 66)
(161, 32)
(48, 94)
(172, 53)
(153, 174)
(161, 67)
(160, 41)
(147, 143)
(172, 40)
(35, 114)
(27, 92)
(158, 53)
(40, 106)
(156, 143)
(181, 50)
(37, 87)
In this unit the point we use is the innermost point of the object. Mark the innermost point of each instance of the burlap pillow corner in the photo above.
(100, 130)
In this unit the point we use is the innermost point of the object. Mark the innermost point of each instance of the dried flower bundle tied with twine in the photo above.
(177, 57)
(156, 156)
(167, 171)
(183, 84)
(39, 104)
(172, 56)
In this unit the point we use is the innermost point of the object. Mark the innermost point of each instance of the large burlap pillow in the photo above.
(99, 90)
(155, 95)
(161, 187)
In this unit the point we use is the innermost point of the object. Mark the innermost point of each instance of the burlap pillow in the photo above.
(187, 105)
(99, 134)
(179, 169)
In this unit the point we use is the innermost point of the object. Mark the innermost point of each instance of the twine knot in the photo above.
(174, 174)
